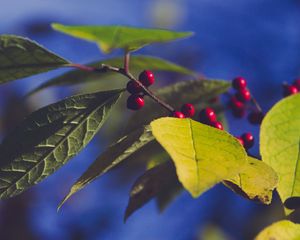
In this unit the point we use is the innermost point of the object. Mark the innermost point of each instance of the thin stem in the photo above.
(126, 61)
(258, 108)
(147, 91)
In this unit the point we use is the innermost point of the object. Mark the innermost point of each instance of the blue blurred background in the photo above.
(259, 40)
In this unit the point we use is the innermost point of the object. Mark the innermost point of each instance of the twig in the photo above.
(125, 72)
(126, 61)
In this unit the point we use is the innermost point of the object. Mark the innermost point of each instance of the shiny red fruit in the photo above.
(296, 84)
(188, 110)
(217, 125)
(255, 117)
(178, 114)
(243, 95)
(248, 140)
(289, 90)
(133, 87)
(135, 102)
(207, 115)
(146, 78)
(239, 83)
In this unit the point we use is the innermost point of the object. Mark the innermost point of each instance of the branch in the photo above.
(125, 72)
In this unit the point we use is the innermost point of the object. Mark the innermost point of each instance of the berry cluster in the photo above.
(206, 115)
(291, 89)
(238, 102)
(136, 100)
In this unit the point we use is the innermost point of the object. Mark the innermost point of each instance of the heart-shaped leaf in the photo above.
(112, 37)
(21, 57)
(115, 154)
(192, 91)
(280, 144)
(49, 137)
(256, 181)
(282, 230)
(137, 64)
(203, 156)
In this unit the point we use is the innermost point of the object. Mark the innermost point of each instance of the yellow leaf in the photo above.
(203, 156)
(282, 230)
(256, 181)
(280, 144)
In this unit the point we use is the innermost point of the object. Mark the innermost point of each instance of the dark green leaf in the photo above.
(113, 37)
(193, 91)
(49, 137)
(137, 64)
(147, 186)
(21, 57)
(115, 154)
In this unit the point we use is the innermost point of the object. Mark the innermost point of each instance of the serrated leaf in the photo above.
(21, 57)
(149, 185)
(280, 144)
(49, 137)
(192, 91)
(137, 64)
(256, 181)
(113, 37)
(203, 156)
(282, 230)
(113, 155)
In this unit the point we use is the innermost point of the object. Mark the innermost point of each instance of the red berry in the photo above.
(146, 78)
(177, 114)
(248, 140)
(255, 117)
(239, 83)
(135, 102)
(289, 90)
(243, 95)
(188, 110)
(296, 84)
(207, 115)
(133, 87)
(217, 125)
(238, 108)
(240, 140)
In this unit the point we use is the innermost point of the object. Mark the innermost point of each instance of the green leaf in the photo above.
(193, 91)
(147, 186)
(168, 193)
(49, 137)
(280, 144)
(282, 230)
(113, 37)
(203, 156)
(137, 64)
(256, 181)
(21, 57)
(115, 154)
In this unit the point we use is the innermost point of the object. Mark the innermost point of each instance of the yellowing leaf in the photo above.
(282, 230)
(280, 144)
(203, 156)
(256, 181)
(113, 37)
